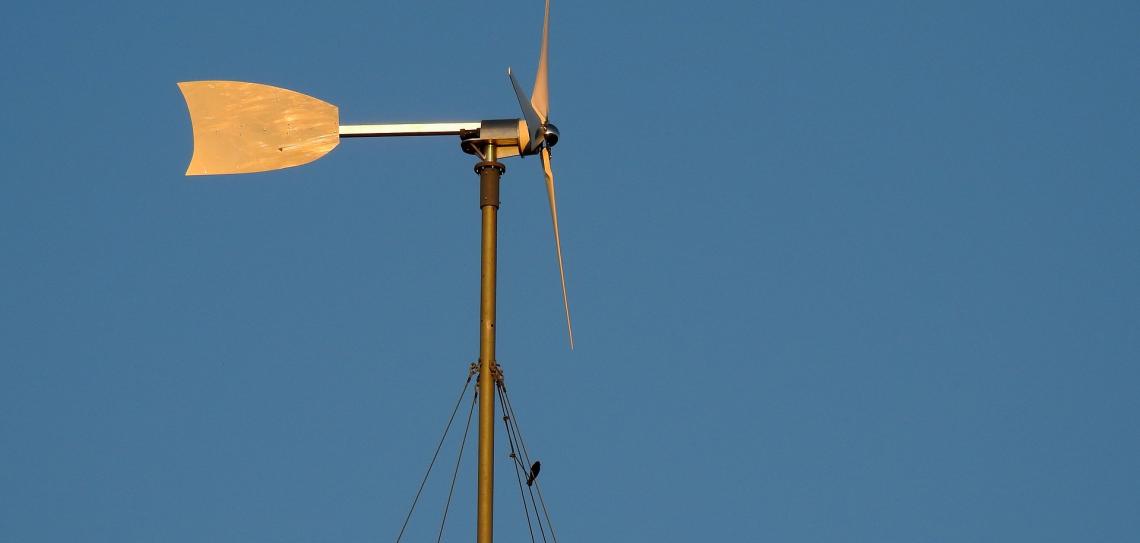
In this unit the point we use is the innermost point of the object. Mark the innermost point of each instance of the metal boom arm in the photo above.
(406, 129)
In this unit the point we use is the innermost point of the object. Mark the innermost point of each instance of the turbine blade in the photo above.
(540, 97)
(533, 123)
(557, 239)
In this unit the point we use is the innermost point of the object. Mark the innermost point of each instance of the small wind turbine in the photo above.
(248, 127)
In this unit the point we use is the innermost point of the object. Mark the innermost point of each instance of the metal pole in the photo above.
(490, 171)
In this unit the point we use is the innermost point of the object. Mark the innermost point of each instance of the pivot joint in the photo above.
(489, 174)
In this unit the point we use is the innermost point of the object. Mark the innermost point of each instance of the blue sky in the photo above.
(839, 272)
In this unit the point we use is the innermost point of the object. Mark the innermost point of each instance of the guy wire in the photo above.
(518, 471)
(455, 474)
(446, 428)
(510, 410)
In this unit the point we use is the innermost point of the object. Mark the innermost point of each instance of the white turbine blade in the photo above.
(557, 238)
(540, 97)
(533, 122)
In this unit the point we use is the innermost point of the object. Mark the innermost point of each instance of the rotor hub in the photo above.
(550, 134)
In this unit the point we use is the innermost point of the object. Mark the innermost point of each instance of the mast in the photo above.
(490, 171)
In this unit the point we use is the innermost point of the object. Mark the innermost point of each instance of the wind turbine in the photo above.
(244, 127)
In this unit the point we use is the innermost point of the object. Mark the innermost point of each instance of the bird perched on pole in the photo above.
(533, 473)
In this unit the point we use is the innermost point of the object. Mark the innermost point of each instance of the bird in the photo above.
(533, 473)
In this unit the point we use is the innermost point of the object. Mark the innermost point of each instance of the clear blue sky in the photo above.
(839, 271)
